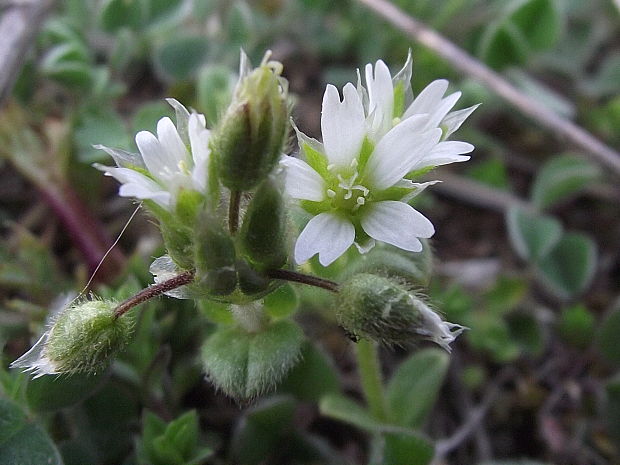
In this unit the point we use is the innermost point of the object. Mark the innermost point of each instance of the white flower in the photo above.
(356, 182)
(174, 159)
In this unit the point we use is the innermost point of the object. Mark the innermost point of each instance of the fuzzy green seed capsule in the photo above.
(83, 338)
(262, 237)
(381, 309)
(249, 139)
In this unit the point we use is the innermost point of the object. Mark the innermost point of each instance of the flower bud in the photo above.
(248, 141)
(381, 309)
(262, 237)
(83, 338)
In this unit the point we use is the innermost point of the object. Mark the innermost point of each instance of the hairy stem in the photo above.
(369, 369)
(295, 277)
(153, 291)
(233, 211)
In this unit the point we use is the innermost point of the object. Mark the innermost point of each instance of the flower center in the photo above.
(345, 192)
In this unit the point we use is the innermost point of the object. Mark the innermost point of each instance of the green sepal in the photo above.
(188, 205)
(419, 173)
(315, 159)
(251, 281)
(214, 257)
(177, 236)
(262, 237)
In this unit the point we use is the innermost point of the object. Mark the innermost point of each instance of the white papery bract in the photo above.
(358, 182)
(175, 158)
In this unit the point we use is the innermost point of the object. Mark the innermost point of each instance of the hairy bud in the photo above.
(248, 141)
(263, 233)
(381, 309)
(82, 338)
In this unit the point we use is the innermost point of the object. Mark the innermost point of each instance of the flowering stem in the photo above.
(153, 291)
(233, 211)
(295, 277)
(369, 369)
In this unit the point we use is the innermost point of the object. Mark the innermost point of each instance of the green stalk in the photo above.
(369, 369)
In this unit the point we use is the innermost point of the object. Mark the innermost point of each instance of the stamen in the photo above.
(331, 193)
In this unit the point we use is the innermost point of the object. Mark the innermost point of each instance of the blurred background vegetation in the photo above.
(527, 245)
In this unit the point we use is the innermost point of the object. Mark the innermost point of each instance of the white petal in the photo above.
(153, 154)
(326, 234)
(182, 117)
(434, 328)
(171, 142)
(416, 188)
(404, 76)
(303, 139)
(454, 120)
(381, 98)
(398, 151)
(397, 223)
(35, 360)
(444, 153)
(122, 157)
(443, 108)
(428, 99)
(137, 185)
(199, 140)
(342, 125)
(302, 182)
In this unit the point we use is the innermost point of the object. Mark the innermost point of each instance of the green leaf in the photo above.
(348, 411)
(99, 126)
(70, 73)
(313, 377)
(569, 268)
(607, 335)
(174, 443)
(117, 14)
(161, 10)
(240, 24)
(23, 442)
(214, 88)
(532, 235)
(282, 302)
(526, 331)
(491, 172)
(503, 44)
(261, 430)
(49, 393)
(407, 448)
(505, 295)
(245, 365)
(413, 389)
(562, 177)
(576, 326)
(181, 57)
(539, 21)
(147, 115)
